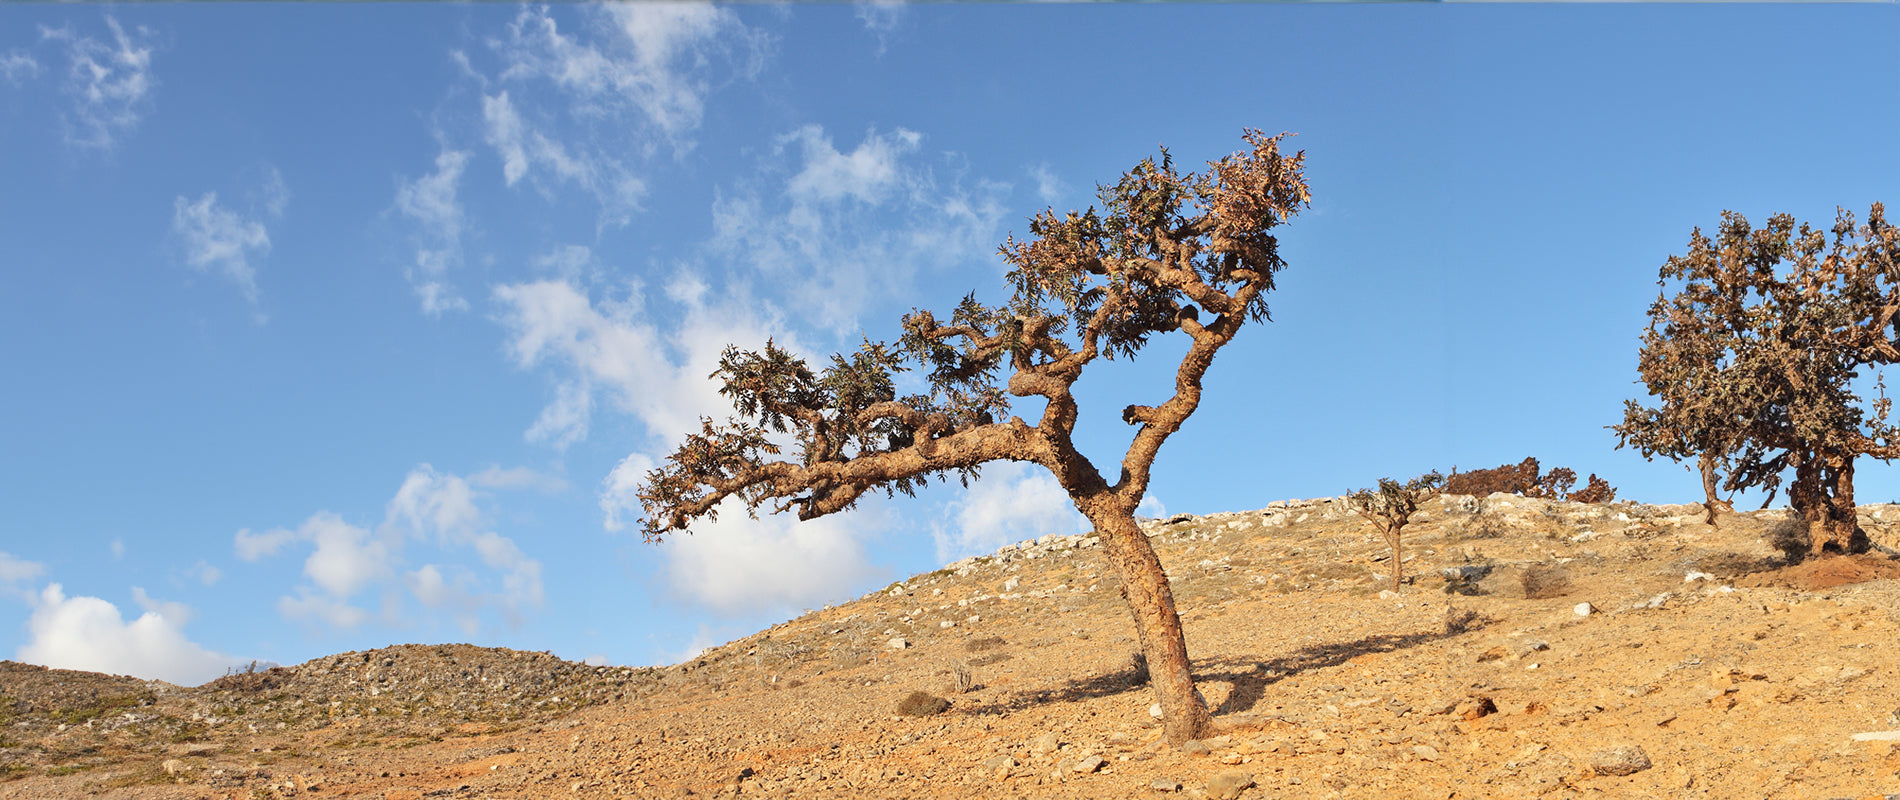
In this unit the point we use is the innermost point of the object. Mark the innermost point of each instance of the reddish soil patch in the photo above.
(1826, 573)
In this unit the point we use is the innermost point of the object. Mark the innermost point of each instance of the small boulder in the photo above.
(1229, 785)
(1044, 744)
(1621, 760)
(1196, 747)
(1089, 765)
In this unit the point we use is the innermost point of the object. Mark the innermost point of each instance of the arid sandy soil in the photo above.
(1734, 672)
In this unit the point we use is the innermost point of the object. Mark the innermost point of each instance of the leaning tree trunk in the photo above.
(1710, 486)
(1144, 587)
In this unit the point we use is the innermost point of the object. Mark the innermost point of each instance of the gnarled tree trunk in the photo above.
(1829, 515)
(1144, 586)
(1710, 486)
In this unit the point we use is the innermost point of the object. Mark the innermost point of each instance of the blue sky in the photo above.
(327, 327)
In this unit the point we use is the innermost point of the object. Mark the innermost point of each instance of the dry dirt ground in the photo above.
(1737, 672)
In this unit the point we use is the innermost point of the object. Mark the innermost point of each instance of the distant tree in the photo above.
(1524, 478)
(1095, 285)
(1753, 358)
(1391, 507)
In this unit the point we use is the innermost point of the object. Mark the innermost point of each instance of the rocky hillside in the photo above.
(1539, 649)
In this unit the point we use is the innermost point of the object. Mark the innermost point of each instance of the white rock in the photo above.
(1584, 609)
(897, 643)
(1155, 711)
(1697, 576)
(1012, 584)
(1878, 736)
(947, 624)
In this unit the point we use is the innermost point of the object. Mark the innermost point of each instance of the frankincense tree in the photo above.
(1753, 362)
(1390, 509)
(1169, 254)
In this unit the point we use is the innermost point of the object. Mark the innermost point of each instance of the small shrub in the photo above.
(1598, 491)
(1544, 581)
(922, 704)
(1509, 478)
(984, 643)
(1138, 669)
(1458, 621)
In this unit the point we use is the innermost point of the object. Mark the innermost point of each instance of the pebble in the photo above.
(1089, 765)
(1584, 609)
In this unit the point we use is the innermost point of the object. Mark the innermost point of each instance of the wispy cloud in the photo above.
(110, 82)
(17, 574)
(18, 66)
(217, 239)
(1049, 188)
(881, 18)
(432, 202)
(580, 104)
(844, 228)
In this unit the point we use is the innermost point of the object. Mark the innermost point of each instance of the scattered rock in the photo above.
(1045, 744)
(898, 643)
(1229, 785)
(1621, 760)
(1089, 765)
(1475, 707)
(1878, 736)
(1584, 609)
(1196, 747)
(1012, 584)
(922, 704)
(1165, 785)
(1155, 711)
(174, 767)
(1425, 752)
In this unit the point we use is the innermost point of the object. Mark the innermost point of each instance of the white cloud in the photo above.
(1048, 187)
(204, 573)
(433, 513)
(18, 67)
(17, 574)
(1151, 507)
(253, 546)
(110, 83)
(619, 499)
(432, 202)
(564, 421)
(848, 228)
(217, 239)
(595, 660)
(579, 106)
(738, 565)
(175, 613)
(345, 558)
(118, 548)
(1012, 502)
(87, 633)
(881, 18)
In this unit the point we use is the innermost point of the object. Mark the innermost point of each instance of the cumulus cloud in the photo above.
(433, 513)
(431, 202)
(88, 633)
(738, 565)
(110, 82)
(1012, 502)
(218, 240)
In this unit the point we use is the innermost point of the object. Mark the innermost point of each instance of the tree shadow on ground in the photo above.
(1250, 677)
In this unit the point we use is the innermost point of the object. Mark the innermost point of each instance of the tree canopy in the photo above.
(1167, 253)
(1753, 361)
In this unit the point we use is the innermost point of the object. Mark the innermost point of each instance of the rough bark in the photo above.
(1144, 585)
(1710, 488)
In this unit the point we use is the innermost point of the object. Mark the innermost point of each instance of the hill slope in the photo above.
(1734, 672)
